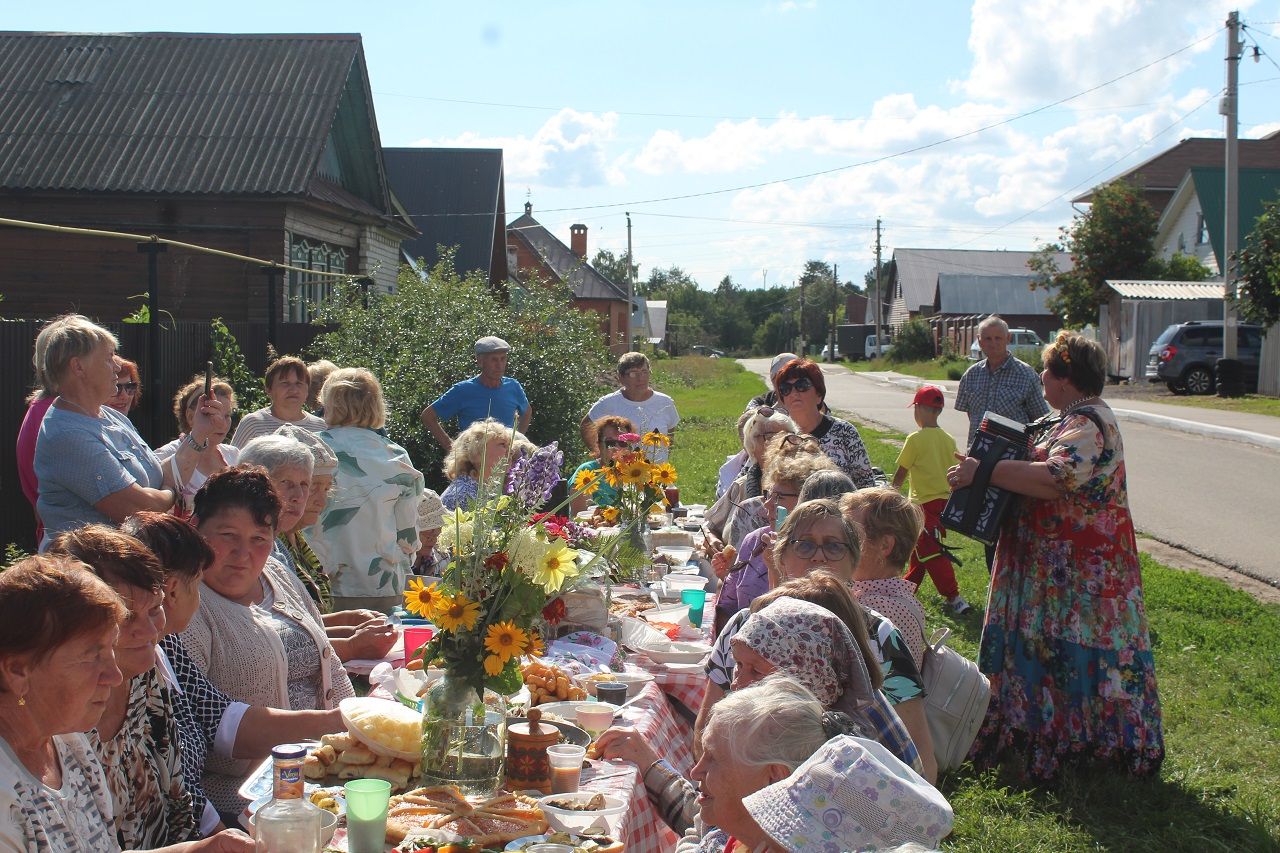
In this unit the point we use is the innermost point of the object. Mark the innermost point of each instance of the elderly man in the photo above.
(491, 394)
(999, 383)
(636, 401)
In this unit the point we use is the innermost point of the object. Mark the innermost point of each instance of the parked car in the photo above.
(826, 353)
(702, 349)
(873, 348)
(1184, 355)
(1022, 343)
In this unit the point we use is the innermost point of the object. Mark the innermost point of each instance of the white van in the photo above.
(1022, 343)
(873, 348)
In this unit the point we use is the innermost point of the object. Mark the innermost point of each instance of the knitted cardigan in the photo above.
(240, 650)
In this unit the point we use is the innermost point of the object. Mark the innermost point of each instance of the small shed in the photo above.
(1138, 311)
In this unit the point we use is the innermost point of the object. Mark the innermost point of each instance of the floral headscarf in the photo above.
(812, 645)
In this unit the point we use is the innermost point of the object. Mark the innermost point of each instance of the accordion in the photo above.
(978, 510)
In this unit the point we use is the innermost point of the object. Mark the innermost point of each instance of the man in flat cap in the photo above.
(491, 394)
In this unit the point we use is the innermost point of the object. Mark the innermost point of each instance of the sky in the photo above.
(746, 138)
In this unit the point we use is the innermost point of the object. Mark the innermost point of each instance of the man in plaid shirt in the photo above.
(999, 383)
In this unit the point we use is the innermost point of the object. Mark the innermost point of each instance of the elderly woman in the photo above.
(216, 456)
(764, 422)
(91, 463)
(606, 434)
(802, 390)
(635, 400)
(128, 387)
(209, 721)
(288, 384)
(368, 532)
(59, 626)
(1065, 640)
(477, 452)
(752, 514)
(430, 559)
(257, 634)
(756, 737)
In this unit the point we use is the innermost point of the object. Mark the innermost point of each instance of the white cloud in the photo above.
(569, 150)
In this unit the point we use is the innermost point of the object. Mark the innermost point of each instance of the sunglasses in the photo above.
(126, 387)
(804, 383)
(806, 548)
(615, 442)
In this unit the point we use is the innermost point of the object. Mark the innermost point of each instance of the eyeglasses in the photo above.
(126, 387)
(804, 383)
(806, 548)
(775, 495)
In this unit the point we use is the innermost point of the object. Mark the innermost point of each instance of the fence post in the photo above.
(152, 250)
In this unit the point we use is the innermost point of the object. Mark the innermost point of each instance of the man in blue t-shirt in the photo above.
(492, 394)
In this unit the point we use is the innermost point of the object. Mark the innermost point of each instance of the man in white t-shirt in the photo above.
(637, 402)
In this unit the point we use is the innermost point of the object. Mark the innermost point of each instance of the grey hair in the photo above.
(632, 360)
(774, 721)
(825, 484)
(274, 452)
(759, 425)
(993, 320)
(62, 339)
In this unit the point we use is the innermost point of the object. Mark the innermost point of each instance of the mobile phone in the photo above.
(779, 516)
(208, 379)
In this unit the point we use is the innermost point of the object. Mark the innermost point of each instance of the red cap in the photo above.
(928, 395)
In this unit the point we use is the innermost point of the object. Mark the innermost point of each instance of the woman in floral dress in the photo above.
(1065, 641)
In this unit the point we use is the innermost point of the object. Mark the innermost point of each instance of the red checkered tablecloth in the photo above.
(671, 737)
(684, 682)
(643, 829)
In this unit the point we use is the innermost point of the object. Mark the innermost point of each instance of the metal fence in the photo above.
(184, 348)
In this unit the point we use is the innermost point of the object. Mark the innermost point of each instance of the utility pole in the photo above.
(877, 314)
(801, 336)
(835, 291)
(1230, 109)
(631, 286)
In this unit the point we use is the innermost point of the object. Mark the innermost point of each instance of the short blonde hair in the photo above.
(352, 396)
(318, 372)
(888, 512)
(62, 339)
(467, 455)
(793, 468)
(805, 515)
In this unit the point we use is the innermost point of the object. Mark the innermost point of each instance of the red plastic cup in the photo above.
(415, 637)
(673, 496)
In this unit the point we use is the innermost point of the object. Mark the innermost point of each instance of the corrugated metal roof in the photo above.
(1167, 289)
(991, 294)
(168, 112)
(918, 269)
(454, 195)
(581, 277)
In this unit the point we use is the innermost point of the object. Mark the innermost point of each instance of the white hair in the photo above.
(993, 320)
(274, 452)
(774, 721)
(760, 425)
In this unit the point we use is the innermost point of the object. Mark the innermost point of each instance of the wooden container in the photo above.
(527, 742)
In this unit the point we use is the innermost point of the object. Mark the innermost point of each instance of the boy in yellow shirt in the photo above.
(925, 458)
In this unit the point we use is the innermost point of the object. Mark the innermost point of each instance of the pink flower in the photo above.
(629, 437)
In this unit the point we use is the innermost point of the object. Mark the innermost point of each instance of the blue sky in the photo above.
(605, 107)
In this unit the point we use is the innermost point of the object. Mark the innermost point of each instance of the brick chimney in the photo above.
(578, 240)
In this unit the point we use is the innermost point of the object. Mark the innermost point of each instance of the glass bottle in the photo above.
(289, 823)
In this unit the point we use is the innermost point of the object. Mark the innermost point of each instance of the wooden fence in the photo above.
(184, 348)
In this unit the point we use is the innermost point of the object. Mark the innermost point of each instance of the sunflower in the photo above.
(556, 566)
(493, 665)
(653, 438)
(665, 474)
(422, 599)
(587, 482)
(634, 471)
(506, 641)
(611, 477)
(535, 648)
(609, 514)
(456, 612)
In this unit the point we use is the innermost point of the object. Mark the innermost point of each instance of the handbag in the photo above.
(956, 699)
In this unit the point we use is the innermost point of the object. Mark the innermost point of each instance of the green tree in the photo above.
(683, 331)
(614, 267)
(914, 342)
(1258, 288)
(229, 363)
(773, 336)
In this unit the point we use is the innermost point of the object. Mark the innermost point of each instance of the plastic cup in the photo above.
(595, 717)
(611, 692)
(566, 767)
(697, 601)
(367, 814)
(415, 637)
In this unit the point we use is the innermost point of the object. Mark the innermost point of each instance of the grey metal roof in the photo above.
(990, 294)
(657, 319)
(918, 269)
(1130, 289)
(171, 113)
(455, 197)
(581, 277)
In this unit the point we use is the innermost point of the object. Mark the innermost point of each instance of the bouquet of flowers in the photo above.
(639, 483)
(506, 562)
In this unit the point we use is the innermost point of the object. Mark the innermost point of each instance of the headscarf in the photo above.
(431, 511)
(813, 646)
(326, 461)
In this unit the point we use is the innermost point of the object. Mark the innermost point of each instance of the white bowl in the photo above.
(675, 613)
(410, 683)
(635, 682)
(328, 824)
(681, 582)
(680, 553)
(675, 652)
(568, 711)
(608, 818)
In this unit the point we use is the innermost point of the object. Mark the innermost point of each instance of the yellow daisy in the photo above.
(457, 612)
(653, 438)
(611, 477)
(556, 566)
(666, 474)
(587, 482)
(422, 599)
(634, 471)
(493, 665)
(609, 514)
(506, 640)
(535, 648)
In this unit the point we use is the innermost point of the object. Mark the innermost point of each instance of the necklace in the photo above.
(1076, 402)
(82, 408)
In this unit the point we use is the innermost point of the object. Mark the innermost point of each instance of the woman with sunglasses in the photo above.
(128, 387)
(801, 391)
(607, 430)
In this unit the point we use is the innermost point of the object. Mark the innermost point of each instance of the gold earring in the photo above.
(22, 700)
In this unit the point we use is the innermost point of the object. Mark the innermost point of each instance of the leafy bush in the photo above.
(955, 372)
(914, 342)
(229, 363)
(419, 341)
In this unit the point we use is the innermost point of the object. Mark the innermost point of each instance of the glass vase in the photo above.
(464, 736)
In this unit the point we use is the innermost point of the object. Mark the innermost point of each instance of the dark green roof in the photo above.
(1256, 186)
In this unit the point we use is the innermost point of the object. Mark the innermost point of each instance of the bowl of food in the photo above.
(635, 681)
(328, 821)
(675, 555)
(679, 582)
(584, 812)
(675, 652)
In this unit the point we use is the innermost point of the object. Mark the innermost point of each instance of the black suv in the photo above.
(1184, 355)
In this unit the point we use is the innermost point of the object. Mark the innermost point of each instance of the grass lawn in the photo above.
(1250, 403)
(938, 368)
(1216, 651)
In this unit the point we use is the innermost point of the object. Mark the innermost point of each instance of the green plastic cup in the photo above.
(697, 601)
(367, 814)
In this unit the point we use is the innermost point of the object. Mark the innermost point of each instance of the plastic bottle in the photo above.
(289, 823)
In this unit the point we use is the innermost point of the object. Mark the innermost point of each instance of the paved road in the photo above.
(1213, 497)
